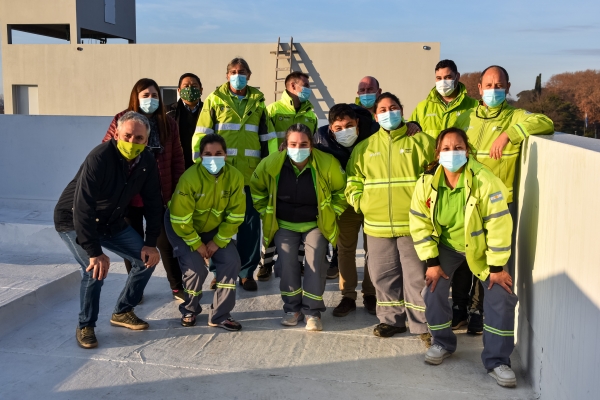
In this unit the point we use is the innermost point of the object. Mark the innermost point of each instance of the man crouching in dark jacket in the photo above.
(89, 216)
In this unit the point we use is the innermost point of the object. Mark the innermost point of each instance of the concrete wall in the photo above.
(98, 80)
(558, 274)
(90, 15)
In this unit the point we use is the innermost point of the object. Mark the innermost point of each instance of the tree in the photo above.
(538, 84)
(563, 113)
(471, 80)
(582, 88)
(1, 104)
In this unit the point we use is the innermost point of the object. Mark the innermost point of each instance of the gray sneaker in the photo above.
(292, 319)
(436, 354)
(313, 323)
(504, 376)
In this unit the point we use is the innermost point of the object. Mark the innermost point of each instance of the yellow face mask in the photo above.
(130, 150)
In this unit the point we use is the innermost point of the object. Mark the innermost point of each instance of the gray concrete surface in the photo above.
(263, 361)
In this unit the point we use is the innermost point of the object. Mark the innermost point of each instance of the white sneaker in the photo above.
(504, 376)
(313, 323)
(436, 354)
(291, 319)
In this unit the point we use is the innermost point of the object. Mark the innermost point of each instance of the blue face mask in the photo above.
(453, 160)
(298, 155)
(238, 82)
(493, 97)
(390, 120)
(367, 100)
(213, 164)
(149, 105)
(304, 94)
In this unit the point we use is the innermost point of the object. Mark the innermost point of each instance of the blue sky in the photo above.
(527, 37)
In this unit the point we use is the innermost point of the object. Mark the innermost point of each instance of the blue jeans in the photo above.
(127, 244)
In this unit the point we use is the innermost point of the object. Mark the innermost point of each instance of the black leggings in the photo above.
(467, 289)
(135, 218)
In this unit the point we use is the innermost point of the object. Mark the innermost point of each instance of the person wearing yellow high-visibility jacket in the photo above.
(382, 173)
(459, 212)
(237, 112)
(204, 213)
(294, 107)
(446, 101)
(299, 193)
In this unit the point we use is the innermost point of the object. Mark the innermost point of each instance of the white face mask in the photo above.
(346, 137)
(445, 87)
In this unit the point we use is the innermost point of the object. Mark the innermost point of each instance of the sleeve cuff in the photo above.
(494, 269)
(150, 241)
(432, 262)
(195, 246)
(221, 243)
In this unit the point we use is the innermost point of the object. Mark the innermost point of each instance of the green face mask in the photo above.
(190, 93)
(130, 150)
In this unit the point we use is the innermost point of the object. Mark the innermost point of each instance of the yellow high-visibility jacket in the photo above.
(282, 115)
(330, 184)
(483, 126)
(434, 115)
(488, 224)
(246, 135)
(382, 173)
(203, 202)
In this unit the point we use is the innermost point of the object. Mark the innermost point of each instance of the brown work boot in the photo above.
(346, 306)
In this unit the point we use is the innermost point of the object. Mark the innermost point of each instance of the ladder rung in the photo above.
(278, 91)
(280, 80)
(283, 51)
(283, 57)
(282, 69)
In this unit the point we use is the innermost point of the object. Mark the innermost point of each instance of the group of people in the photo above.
(230, 184)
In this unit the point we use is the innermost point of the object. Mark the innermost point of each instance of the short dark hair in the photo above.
(494, 66)
(341, 111)
(189, 75)
(212, 138)
(447, 64)
(388, 95)
(301, 128)
(296, 75)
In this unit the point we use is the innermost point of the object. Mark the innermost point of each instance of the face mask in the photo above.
(213, 164)
(304, 94)
(390, 120)
(298, 155)
(346, 137)
(238, 82)
(493, 97)
(453, 160)
(149, 105)
(367, 100)
(190, 93)
(445, 87)
(130, 150)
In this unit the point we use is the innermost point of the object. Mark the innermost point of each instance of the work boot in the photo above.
(264, 273)
(459, 317)
(475, 326)
(249, 284)
(229, 324)
(436, 354)
(128, 320)
(346, 306)
(385, 330)
(86, 337)
(292, 319)
(426, 338)
(504, 376)
(332, 272)
(313, 323)
(370, 303)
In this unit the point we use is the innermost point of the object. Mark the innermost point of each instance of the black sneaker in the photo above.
(86, 337)
(179, 295)
(346, 306)
(264, 273)
(475, 326)
(229, 324)
(459, 317)
(128, 320)
(249, 284)
(332, 272)
(385, 330)
(370, 303)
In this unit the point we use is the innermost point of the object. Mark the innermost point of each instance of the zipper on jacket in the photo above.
(211, 207)
(390, 212)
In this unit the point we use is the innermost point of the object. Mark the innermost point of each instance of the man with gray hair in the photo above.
(90, 215)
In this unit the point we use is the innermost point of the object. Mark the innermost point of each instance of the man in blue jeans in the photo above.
(90, 215)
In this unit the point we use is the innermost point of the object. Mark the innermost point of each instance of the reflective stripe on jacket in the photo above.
(488, 224)
(246, 135)
(331, 181)
(382, 173)
(434, 115)
(282, 115)
(483, 126)
(203, 202)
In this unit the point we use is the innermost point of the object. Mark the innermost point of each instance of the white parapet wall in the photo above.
(558, 266)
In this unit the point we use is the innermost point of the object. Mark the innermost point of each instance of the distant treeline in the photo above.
(566, 98)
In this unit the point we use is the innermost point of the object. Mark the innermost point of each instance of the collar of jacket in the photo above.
(253, 95)
(396, 133)
(485, 111)
(288, 101)
(435, 97)
(275, 161)
(471, 169)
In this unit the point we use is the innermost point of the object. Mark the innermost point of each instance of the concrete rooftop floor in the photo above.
(41, 359)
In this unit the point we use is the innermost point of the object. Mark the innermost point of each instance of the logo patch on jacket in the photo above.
(225, 194)
(496, 197)
(405, 151)
(374, 154)
(428, 203)
(431, 115)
